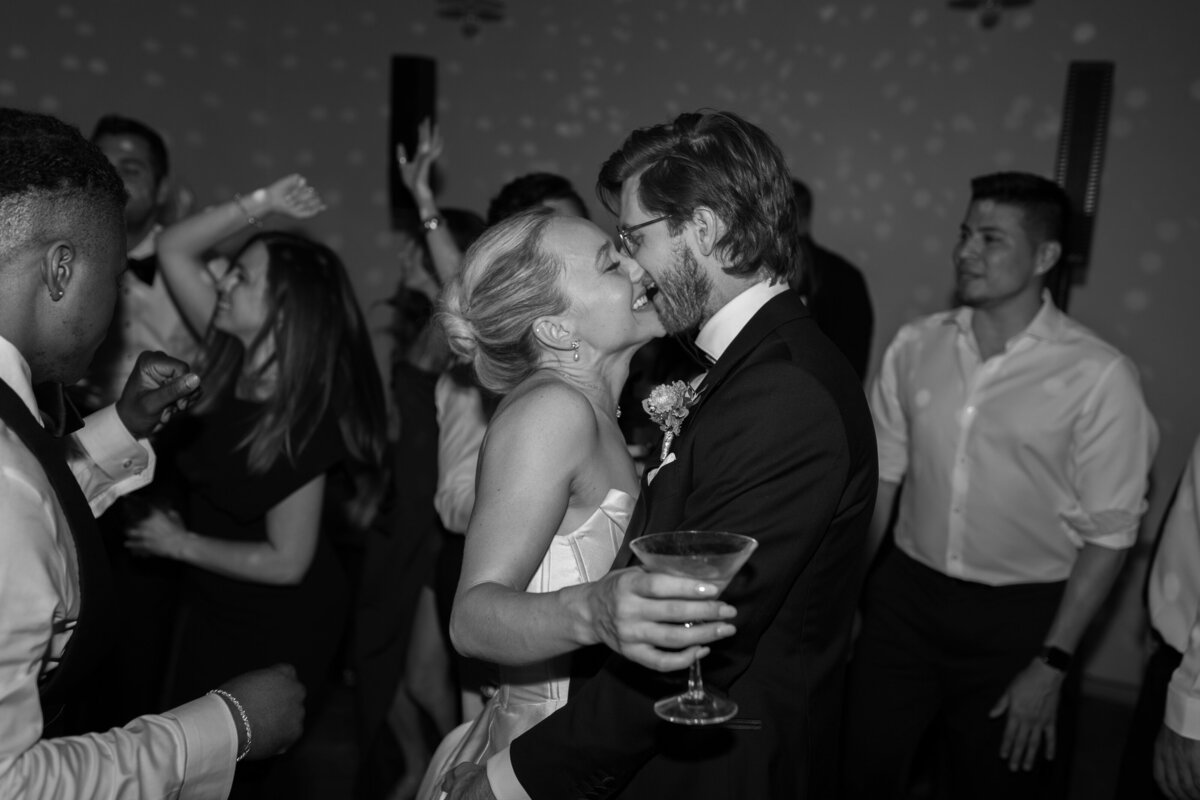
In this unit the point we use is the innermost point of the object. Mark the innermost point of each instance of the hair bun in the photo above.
(460, 333)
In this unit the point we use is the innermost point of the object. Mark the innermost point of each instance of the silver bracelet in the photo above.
(245, 720)
(253, 220)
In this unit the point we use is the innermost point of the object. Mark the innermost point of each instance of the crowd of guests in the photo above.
(264, 514)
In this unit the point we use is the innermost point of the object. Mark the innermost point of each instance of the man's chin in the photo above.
(672, 322)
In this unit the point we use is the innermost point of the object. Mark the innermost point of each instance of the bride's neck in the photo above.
(600, 382)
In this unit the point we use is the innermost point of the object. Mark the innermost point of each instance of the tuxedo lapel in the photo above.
(778, 310)
(782, 308)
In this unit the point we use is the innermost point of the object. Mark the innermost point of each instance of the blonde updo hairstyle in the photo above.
(507, 283)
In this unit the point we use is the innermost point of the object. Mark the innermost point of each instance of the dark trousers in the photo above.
(934, 656)
(1137, 765)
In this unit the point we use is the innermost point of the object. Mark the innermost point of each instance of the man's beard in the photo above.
(683, 293)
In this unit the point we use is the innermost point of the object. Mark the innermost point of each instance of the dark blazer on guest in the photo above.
(780, 446)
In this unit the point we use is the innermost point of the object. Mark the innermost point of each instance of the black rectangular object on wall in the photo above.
(413, 98)
(1079, 166)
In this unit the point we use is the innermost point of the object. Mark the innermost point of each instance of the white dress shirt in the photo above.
(462, 423)
(714, 339)
(1011, 464)
(146, 318)
(187, 752)
(1175, 599)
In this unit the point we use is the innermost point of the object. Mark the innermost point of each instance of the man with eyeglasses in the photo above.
(779, 446)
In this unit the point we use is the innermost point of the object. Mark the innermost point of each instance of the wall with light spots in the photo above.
(885, 108)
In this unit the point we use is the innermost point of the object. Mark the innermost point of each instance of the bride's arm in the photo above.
(531, 454)
(529, 464)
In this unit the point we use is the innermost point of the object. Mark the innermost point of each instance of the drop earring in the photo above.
(575, 348)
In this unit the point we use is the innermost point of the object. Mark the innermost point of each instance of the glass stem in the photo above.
(695, 690)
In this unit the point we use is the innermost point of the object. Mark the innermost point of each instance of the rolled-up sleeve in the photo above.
(1174, 599)
(1115, 440)
(891, 427)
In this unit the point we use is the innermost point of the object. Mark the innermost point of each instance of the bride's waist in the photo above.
(531, 694)
(536, 683)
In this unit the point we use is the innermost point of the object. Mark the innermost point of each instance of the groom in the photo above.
(779, 446)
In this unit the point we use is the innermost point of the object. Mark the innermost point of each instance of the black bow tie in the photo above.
(688, 343)
(58, 412)
(144, 268)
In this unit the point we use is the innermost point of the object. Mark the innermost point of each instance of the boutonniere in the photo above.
(668, 405)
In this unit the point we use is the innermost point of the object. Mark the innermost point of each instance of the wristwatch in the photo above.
(1056, 658)
(432, 224)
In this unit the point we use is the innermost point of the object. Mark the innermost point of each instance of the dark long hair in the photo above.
(323, 359)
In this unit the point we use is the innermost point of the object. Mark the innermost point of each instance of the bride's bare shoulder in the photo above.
(547, 405)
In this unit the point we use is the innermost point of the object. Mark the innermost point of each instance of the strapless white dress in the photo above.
(530, 693)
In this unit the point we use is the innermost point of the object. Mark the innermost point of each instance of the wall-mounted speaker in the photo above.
(1079, 166)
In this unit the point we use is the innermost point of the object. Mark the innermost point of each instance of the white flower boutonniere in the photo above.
(668, 405)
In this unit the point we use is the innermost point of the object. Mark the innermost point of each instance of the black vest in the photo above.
(58, 689)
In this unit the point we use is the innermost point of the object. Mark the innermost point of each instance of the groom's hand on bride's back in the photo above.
(659, 621)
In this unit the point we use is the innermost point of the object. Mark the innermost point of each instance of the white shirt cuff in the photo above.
(127, 463)
(106, 439)
(211, 739)
(503, 779)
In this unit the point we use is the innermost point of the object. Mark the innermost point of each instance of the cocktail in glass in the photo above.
(712, 556)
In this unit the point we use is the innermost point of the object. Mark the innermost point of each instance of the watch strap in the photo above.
(1056, 658)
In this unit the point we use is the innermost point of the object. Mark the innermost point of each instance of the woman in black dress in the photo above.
(293, 413)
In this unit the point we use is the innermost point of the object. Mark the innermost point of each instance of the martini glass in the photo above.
(713, 556)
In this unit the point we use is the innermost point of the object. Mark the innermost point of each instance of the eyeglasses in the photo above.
(626, 243)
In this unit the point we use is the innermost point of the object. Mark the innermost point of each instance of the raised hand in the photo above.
(293, 197)
(659, 621)
(274, 703)
(415, 169)
(159, 387)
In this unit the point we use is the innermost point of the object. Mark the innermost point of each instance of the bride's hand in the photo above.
(659, 621)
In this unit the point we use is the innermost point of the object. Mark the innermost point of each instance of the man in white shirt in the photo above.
(146, 317)
(1023, 445)
(1162, 754)
(61, 252)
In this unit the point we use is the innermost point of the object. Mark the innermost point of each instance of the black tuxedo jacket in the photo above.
(780, 446)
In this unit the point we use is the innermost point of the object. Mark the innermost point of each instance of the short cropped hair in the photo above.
(46, 167)
(1043, 203)
(720, 161)
(116, 125)
(532, 190)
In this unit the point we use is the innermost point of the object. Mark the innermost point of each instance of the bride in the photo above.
(550, 314)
